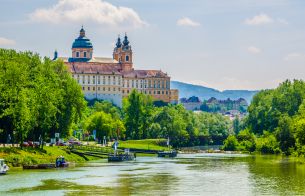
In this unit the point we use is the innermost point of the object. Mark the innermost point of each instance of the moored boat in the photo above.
(61, 162)
(171, 154)
(3, 167)
(40, 166)
(118, 157)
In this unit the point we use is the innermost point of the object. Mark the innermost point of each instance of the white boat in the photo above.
(3, 167)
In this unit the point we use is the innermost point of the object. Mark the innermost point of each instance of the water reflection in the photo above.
(188, 174)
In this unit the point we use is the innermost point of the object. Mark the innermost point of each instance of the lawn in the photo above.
(147, 144)
(29, 156)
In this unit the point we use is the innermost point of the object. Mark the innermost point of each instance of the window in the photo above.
(98, 88)
(123, 91)
(77, 54)
(113, 89)
(103, 88)
(88, 88)
(83, 88)
(83, 79)
(93, 88)
(85, 54)
(127, 58)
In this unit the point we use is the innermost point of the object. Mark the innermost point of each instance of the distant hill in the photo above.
(204, 93)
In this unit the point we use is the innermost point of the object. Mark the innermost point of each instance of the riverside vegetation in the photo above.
(275, 123)
(38, 98)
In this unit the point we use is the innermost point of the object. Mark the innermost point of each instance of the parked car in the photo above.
(25, 144)
(61, 144)
(77, 143)
(33, 144)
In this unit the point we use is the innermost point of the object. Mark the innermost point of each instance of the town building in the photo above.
(114, 78)
(193, 103)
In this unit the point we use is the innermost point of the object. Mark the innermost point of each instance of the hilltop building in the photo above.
(114, 78)
(193, 103)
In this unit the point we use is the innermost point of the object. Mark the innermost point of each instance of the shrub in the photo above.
(246, 141)
(267, 144)
(231, 143)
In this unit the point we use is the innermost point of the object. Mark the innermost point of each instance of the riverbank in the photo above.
(17, 157)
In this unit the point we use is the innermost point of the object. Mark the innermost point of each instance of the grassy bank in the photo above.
(147, 144)
(17, 157)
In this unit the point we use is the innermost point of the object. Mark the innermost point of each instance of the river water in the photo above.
(188, 174)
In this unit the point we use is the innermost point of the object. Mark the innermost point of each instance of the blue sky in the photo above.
(236, 44)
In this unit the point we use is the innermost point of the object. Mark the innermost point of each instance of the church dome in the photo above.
(82, 41)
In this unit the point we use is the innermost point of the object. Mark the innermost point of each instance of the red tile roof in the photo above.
(112, 68)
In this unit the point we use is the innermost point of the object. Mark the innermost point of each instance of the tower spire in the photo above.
(125, 42)
(82, 32)
(55, 55)
(118, 43)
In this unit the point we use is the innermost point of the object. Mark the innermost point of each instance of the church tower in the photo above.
(82, 49)
(123, 53)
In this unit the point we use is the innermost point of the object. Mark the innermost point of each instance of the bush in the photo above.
(231, 143)
(267, 145)
(246, 141)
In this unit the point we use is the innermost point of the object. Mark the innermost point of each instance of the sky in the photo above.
(236, 44)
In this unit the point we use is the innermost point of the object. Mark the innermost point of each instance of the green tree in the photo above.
(134, 110)
(230, 143)
(284, 135)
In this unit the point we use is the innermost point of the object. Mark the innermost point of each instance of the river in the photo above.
(188, 174)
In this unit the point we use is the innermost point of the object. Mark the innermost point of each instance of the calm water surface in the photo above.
(188, 174)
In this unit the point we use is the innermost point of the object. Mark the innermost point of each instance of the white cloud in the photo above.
(259, 20)
(80, 11)
(282, 21)
(254, 50)
(5, 41)
(294, 56)
(185, 21)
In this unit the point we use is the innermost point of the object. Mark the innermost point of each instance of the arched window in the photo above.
(127, 58)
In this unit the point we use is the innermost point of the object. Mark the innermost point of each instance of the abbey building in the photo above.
(114, 78)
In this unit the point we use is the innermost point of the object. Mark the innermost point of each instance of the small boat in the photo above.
(118, 157)
(3, 167)
(61, 162)
(171, 154)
